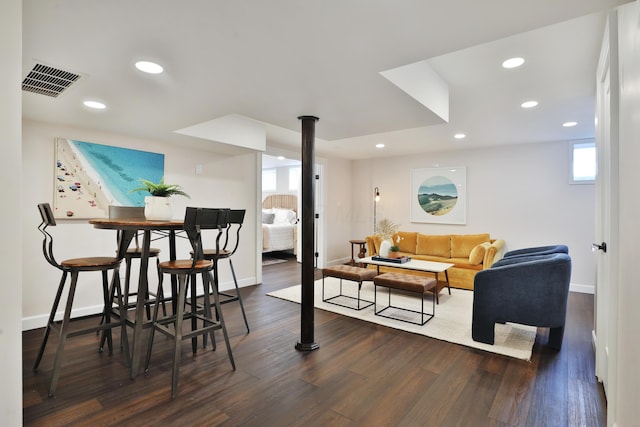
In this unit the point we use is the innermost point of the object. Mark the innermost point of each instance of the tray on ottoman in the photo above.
(399, 260)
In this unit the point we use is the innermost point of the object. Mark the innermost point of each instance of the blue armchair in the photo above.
(529, 290)
(539, 250)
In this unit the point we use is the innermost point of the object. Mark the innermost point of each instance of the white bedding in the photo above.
(278, 237)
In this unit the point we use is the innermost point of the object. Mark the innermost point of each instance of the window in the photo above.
(583, 162)
(294, 179)
(269, 180)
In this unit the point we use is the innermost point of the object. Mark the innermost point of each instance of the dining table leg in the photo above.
(143, 286)
(174, 278)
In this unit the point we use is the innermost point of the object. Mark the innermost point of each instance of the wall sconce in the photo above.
(376, 199)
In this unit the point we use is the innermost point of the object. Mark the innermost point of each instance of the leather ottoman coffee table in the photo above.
(350, 273)
(408, 283)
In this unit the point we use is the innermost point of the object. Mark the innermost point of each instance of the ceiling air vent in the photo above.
(48, 81)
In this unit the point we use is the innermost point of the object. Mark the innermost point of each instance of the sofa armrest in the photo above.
(493, 253)
(371, 246)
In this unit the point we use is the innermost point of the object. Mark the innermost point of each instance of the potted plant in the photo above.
(385, 230)
(159, 205)
(394, 251)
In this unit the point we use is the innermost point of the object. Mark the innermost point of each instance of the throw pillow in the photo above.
(283, 216)
(267, 218)
(477, 253)
(461, 244)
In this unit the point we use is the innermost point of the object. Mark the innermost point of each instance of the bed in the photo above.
(280, 223)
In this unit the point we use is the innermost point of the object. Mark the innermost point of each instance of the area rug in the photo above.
(452, 321)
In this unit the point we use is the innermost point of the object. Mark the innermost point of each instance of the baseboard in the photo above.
(40, 321)
(339, 261)
(583, 289)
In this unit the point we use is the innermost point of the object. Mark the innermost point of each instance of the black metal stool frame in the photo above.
(196, 219)
(74, 267)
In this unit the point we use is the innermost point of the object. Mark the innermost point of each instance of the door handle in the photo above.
(602, 247)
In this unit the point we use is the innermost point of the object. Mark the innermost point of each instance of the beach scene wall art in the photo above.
(438, 195)
(89, 177)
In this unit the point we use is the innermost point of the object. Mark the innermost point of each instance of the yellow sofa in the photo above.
(469, 253)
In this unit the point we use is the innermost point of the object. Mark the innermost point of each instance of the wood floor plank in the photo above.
(362, 374)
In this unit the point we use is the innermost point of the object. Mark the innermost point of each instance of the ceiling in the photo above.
(272, 61)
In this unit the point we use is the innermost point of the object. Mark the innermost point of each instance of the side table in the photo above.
(361, 252)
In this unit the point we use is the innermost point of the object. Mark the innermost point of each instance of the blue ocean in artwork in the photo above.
(121, 169)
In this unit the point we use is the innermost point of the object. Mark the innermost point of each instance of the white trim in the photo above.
(40, 321)
(581, 288)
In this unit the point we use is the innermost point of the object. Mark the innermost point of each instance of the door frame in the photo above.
(607, 212)
(320, 232)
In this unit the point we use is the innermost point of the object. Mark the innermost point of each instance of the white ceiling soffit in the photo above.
(233, 129)
(423, 84)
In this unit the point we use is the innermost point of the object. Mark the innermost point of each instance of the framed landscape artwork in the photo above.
(439, 195)
(89, 177)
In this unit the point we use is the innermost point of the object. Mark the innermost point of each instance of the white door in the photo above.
(607, 209)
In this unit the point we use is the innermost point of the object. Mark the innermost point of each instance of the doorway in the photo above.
(281, 176)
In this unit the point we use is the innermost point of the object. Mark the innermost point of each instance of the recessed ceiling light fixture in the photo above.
(280, 157)
(513, 62)
(529, 104)
(459, 136)
(379, 145)
(96, 105)
(149, 67)
(569, 124)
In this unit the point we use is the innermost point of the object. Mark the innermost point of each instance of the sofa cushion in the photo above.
(435, 245)
(406, 241)
(477, 253)
(462, 244)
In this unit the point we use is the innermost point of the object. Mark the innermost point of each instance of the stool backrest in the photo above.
(47, 243)
(198, 219)
(236, 218)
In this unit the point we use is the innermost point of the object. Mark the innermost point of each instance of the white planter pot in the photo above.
(158, 208)
(385, 245)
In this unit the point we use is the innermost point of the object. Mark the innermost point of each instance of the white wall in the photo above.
(626, 408)
(10, 251)
(226, 181)
(520, 194)
(335, 208)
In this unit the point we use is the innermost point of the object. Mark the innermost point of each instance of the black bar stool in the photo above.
(109, 291)
(196, 220)
(231, 242)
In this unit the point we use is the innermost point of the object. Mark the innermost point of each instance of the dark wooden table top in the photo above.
(136, 224)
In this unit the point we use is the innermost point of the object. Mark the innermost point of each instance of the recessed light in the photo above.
(459, 136)
(280, 157)
(569, 124)
(513, 62)
(379, 145)
(96, 105)
(529, 104)
(149, 67)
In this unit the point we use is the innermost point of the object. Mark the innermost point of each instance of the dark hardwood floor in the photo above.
(362, 375)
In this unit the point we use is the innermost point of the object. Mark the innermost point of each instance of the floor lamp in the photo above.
(376, 199)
